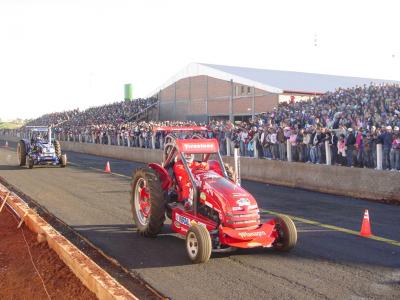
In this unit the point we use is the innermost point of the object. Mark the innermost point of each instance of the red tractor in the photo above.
(206, 205)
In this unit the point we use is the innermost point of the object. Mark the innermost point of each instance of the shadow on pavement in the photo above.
(122, 242)
(12, 168)
(133, 251)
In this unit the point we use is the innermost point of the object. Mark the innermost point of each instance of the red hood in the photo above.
(229, 197)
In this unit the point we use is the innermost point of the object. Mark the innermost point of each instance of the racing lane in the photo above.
(326, 263)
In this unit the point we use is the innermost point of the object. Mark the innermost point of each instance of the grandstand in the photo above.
(203, 91)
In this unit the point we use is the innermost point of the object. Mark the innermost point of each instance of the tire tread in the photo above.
(204, 243)
(157, 209)
(22, 154)
(57, 148)
(291, 232)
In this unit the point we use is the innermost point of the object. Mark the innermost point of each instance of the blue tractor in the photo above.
(39, 148)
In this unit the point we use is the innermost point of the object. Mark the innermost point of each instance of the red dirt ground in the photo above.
(18, 278)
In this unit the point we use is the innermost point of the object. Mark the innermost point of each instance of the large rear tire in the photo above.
(287, 233)
(231, 172)
(147, 202)
(57, 149)
(21, 153)
(198, 244)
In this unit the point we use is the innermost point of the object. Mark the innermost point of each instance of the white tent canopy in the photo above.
(273, 81)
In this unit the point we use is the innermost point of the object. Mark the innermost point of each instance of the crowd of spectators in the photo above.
(109, 116)
(107, 119)
(53, 118)
(352, 121)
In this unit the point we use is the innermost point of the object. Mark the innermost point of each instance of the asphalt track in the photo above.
(329, 262)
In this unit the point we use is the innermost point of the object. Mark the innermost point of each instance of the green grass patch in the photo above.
(10, 125)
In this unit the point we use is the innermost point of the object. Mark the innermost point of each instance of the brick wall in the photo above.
(191, 94)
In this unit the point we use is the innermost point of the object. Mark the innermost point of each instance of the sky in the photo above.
(60, 55)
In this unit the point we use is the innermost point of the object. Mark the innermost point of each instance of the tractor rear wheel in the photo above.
(231, 172)
(198, 244)
(287, 233)
(63, 160)
(21, 153)
(147, 202)
(57, 149)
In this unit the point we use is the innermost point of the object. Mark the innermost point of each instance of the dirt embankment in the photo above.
(37, 273)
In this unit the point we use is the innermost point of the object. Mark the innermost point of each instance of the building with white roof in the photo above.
(203, 91)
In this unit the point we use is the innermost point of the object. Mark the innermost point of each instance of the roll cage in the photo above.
(175, 147)
(33, 129)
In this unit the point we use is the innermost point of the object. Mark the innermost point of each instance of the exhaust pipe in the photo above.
(236, 157)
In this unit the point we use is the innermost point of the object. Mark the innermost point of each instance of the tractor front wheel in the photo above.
(198, 244)
(287, 233)
(30, 163)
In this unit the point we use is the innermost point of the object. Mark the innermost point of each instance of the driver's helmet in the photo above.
(188, 157)
(40, 138)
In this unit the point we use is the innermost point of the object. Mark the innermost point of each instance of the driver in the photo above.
(183, 180)
(34, 142)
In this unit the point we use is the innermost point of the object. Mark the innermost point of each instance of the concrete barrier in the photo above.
(9, 138)
(118, 152)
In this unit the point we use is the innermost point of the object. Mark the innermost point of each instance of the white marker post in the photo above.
(236, 157)
(328, 153)
(228, 147)
(379, 156)
(255, 150)
(289, 150)
(153, 141)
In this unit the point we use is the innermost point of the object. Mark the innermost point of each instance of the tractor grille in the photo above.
(241, 219)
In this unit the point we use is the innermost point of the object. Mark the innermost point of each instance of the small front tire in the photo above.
(198, 244)
(287, 231)
(30, 163)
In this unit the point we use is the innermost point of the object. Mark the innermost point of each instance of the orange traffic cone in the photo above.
(107, 169)
(366, 226)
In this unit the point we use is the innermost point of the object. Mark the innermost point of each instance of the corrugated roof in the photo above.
(298, 81)
(196, 69)
(272, 81)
